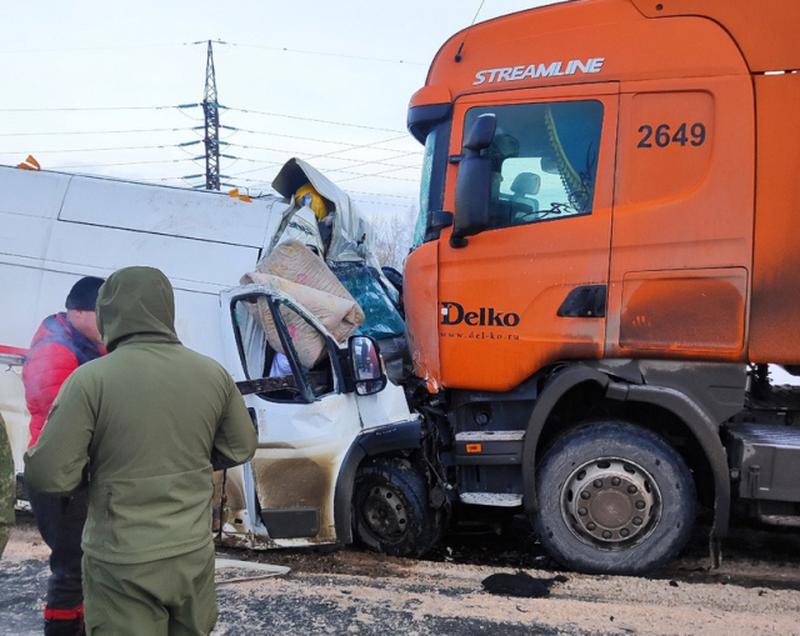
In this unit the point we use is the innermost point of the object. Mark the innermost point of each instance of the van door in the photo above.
(531, 288)
(288, 368)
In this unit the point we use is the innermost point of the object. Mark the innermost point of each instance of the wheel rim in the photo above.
(384, 513)
(611, 503)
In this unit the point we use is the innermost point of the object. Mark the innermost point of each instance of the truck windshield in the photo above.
(543, 160)
(421, 226)
(434, 163)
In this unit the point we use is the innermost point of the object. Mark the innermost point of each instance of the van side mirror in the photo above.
(365, 360)
(474, 181)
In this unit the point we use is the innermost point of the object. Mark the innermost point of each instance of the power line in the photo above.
(93, 132)
(41, 152)
(349, 56)
(312, 158)
(101, 47)
(268, 164)
(372, 144)
(330, 155)
(176, 178)
(278, 49)
(93, 108)
(182, 107)
(394, 167)
(383, 174)
(363, 162)
(317, 139)
(301, 118)
(120, 163)
(188, 116)
(381, 194)
(333, 153)
(372, 201)
(475, 17)
(356, 194)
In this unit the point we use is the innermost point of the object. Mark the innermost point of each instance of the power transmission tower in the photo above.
(211, 112)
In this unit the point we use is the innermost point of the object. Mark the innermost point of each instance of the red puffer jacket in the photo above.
(56, 351)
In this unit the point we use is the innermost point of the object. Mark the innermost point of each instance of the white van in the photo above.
(56, 227)
(315, 427)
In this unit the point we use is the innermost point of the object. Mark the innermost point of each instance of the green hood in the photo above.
(136, 300)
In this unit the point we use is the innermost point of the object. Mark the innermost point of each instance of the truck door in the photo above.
(683, 219)
(531, 289)
(290, 371)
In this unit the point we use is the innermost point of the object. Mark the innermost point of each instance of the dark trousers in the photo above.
(60, 521)
(169, 597)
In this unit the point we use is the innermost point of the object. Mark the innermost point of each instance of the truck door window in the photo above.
(543, 159)
(264, 356)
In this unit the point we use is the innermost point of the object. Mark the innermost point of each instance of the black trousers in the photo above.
(60, 521)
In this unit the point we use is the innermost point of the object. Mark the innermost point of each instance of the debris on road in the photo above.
(236, 571)
(351, 591)
(520, 584)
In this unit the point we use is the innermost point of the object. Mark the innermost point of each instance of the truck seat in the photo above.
(523, 189)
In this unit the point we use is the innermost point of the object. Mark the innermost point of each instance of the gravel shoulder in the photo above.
(757, 590)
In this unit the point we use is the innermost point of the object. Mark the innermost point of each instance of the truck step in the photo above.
(490, 436)
(499, 499)
(768, 459)
(489, 447)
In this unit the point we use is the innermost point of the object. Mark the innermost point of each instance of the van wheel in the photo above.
(613, 498)
(390, 509)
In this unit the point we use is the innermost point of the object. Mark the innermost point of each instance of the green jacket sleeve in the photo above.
(235, 440)
(56, 464)
(8, 487)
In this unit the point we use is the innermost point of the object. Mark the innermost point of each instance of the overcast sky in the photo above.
(352, 62)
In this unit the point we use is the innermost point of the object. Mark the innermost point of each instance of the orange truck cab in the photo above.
(604, 268)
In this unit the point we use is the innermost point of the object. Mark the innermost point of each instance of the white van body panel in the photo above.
(56, 227)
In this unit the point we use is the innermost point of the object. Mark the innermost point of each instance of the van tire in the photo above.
(587, 518)
(390, 508)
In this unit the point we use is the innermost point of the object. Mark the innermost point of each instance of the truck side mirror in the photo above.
(474, 181)
(365, 359)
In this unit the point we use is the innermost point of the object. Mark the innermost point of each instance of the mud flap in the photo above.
(714, 551)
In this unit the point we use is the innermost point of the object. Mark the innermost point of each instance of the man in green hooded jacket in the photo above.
(144, 425)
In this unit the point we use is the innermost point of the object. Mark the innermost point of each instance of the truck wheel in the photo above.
(391, 511)
(613, 498)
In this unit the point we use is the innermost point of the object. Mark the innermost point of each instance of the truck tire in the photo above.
(613, 498)
(390, 509)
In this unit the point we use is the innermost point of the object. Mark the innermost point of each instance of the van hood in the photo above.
(134, 301)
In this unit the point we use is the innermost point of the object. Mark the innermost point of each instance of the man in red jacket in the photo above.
(63, 342)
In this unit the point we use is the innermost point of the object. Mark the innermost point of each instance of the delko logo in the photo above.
(453, 313)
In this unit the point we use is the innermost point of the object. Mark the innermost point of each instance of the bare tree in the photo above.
(392, 236)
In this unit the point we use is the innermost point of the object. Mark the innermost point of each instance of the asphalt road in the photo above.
(756, 591)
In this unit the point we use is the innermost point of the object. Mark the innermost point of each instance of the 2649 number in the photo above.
(663, 136)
